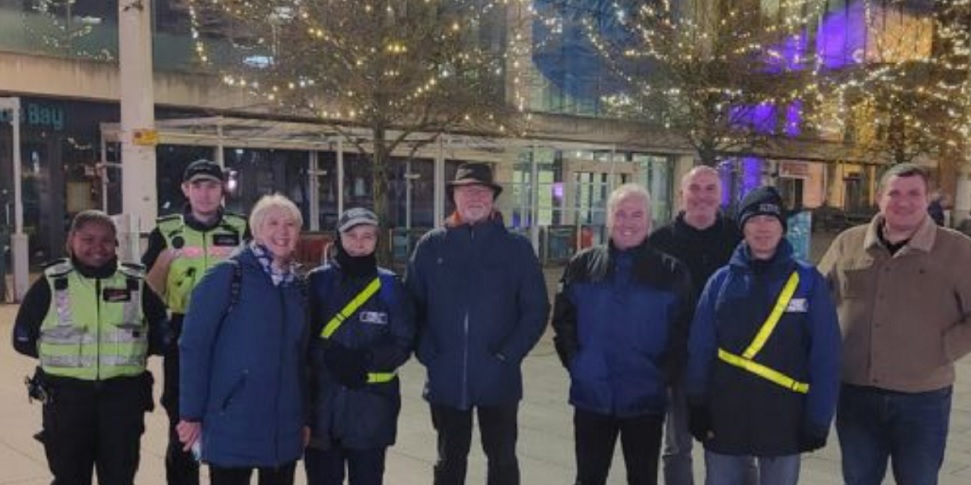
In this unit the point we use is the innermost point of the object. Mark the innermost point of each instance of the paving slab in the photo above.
(545, 445)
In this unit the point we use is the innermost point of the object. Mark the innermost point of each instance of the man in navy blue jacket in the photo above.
(621, 319)
(763, 356)
(481, 305)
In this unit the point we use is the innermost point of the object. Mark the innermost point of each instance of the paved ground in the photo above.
(545, 447)
(545, 436)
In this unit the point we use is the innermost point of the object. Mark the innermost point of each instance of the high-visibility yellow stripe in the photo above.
(764, 372)
(351, 307)
(380, 377)
(769, 326)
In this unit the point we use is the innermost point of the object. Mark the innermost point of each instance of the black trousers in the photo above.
(499, 430)
(95, 426)
(364, 467)
(180, 467)
(280, 475)
(596, 435)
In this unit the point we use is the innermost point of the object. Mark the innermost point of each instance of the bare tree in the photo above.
(392, 68)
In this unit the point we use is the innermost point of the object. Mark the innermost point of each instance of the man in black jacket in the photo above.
(703, 239)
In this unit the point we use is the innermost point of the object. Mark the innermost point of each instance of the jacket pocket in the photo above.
(857, 282)
(234, 391)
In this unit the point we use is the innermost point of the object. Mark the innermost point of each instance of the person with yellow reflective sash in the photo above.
(180, 251)
(763, 355)
(92, 323)
(362, 330)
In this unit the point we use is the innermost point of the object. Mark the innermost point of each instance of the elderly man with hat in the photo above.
(763, 355)
(481, 305)
(180, 250)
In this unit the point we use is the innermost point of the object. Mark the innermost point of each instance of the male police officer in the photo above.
(180, 250)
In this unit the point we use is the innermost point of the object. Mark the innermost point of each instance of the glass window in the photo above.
(255, 173)
(170, 162)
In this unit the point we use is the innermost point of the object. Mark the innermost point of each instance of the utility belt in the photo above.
(46, 388)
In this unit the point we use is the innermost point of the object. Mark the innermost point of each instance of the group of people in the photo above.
(265, 365)
(709, 329)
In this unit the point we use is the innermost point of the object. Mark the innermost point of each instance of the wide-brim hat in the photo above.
(473, 174)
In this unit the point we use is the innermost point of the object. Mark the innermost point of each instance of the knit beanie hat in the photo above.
(762, 201)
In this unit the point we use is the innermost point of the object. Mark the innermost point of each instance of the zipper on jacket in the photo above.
(465, 362)
(97, 330)
(279, 369)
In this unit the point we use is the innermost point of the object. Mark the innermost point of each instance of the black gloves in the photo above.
(699, 422)
(349, 366)
(811, 438)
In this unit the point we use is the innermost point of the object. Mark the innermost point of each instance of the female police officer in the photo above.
(92, 322)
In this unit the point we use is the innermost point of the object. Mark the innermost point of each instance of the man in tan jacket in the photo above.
(902, 287)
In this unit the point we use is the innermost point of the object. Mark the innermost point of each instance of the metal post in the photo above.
(18, 241)
(314, 171)
(219, 152)
(533, 196)
(340, 177)
(104, 173)
(439, 185)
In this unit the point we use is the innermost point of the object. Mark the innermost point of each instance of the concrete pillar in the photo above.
(962, 196)
(19, 254)
(138, 135)
(682, 165)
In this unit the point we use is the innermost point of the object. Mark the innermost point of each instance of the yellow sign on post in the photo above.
(145, 137)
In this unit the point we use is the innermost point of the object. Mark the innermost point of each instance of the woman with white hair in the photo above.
(242, 351)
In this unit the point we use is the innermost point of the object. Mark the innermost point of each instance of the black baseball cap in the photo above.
(203, 170)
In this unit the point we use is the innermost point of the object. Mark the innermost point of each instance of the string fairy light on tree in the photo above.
(721, 75)
(905, 95)
(62, 31)
(393, 67)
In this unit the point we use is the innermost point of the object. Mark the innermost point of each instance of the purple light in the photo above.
(761, 117)
(751, 175)
(793, 118)
(842, 34)
(558, 190)
(725, 169)
(790, 55)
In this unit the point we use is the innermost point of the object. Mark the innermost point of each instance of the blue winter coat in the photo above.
(621, 321)
(750, 414)
(368, 417)
(243, 376)
(481, 305)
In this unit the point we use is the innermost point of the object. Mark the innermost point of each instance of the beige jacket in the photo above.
(905, 318)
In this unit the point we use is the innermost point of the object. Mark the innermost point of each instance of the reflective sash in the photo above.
(351, 307)
(348, 310)
(746, 360)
